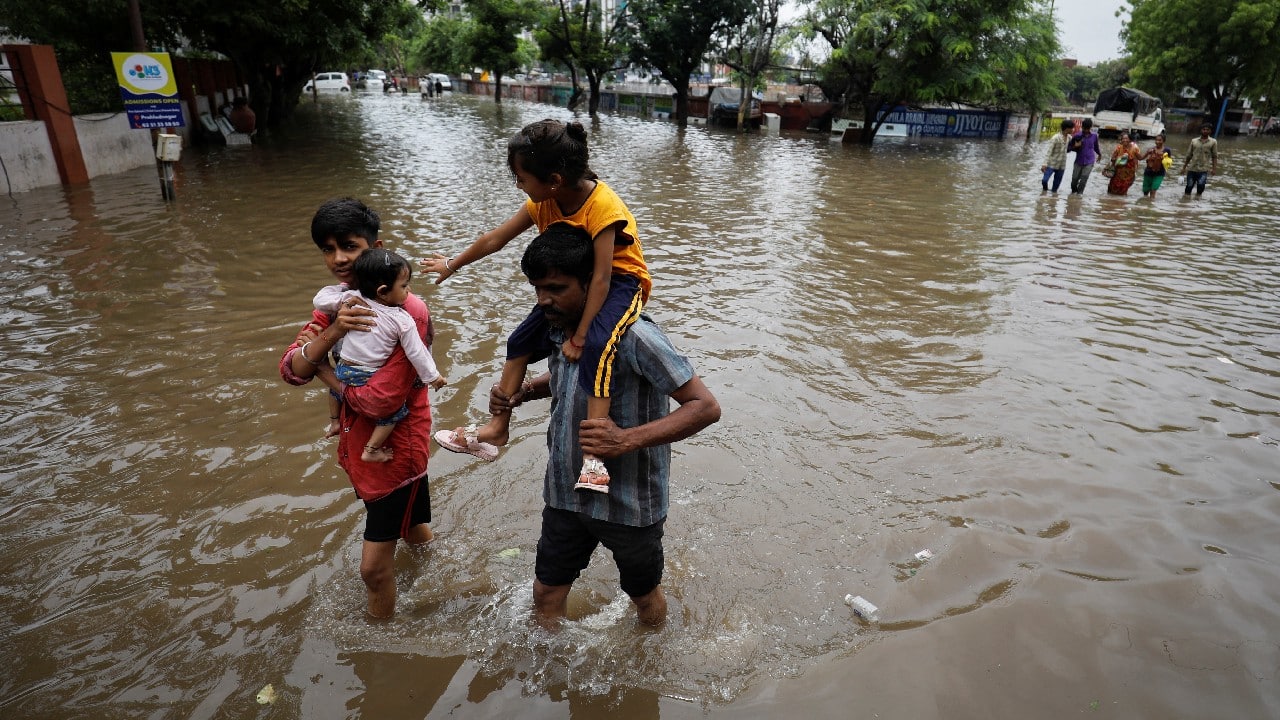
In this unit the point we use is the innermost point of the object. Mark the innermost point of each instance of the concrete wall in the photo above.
(27, 156)
(107, 143)
(110, 146)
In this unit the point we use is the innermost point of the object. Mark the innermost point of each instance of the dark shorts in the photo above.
(569, 538)
(389, 518)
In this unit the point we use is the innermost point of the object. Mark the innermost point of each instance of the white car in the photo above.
(375, 80)
(443, 80)
(329, 82)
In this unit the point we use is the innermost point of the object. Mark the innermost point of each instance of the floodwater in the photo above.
(1072, 402)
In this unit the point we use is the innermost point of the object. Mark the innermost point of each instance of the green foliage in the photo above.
(276, 45)
(83, 36)
(571, 33)
(442, 47)
(1223, 48)
(747, 48)
(1082, 83)
(886, 52)
(493, 38)
(673, 36)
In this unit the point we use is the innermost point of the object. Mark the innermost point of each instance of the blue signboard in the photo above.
(945, 122)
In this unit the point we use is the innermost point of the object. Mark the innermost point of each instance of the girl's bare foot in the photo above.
(493, 434)
(335, 427)
(376, 454)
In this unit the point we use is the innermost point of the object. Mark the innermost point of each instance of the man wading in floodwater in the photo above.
(634, 441)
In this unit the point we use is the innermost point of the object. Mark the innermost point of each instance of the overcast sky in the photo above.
(1090, 30)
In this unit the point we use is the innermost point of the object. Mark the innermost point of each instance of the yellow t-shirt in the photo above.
(602, 210)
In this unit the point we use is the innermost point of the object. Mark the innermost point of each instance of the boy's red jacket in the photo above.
(394, 384)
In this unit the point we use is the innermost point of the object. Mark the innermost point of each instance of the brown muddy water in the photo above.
(1072, 402)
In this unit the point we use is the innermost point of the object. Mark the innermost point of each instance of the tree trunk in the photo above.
(593, 103)
(497, 88)
(742, 108)
(869, 124)
(575, 97)
(682, 101)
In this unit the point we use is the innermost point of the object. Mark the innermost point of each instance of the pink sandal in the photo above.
(463, 440)
(594, 476)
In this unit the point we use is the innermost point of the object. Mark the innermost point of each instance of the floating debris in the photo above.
(862, 607)
(924, 555)
(267, 695)
(510, 553)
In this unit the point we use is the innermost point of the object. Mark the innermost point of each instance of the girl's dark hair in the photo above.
(378, 267)
(550, 146)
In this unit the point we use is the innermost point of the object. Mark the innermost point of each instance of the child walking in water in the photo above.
(382, 284)
(549, 161)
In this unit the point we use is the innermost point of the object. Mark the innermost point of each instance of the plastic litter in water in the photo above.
(862, 607)
(924, 555)
(266, 695)
(510, 553)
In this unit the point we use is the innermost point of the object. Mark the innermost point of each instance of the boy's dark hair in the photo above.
(1067, 124)
(560, 248)
(377, 268)
(341, 217)
(1087, 123)
(550, 146)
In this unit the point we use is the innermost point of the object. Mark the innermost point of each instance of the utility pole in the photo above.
(163, 167)
(135, 26)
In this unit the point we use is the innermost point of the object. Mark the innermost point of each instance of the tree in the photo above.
(571, 32)
(887, 53)
(748, 49)
(1224, 49)
(441, 46)
(83, 36)
(495, 25)
(673, 36)
(277, 46)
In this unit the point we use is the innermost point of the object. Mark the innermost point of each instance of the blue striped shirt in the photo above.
(646, 371)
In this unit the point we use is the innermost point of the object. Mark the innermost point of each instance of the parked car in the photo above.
(329, 82)
(374, 80)
(443, 80)
(722, 107)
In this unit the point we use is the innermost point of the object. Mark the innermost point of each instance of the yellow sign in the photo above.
(145, 73)
(148, 90)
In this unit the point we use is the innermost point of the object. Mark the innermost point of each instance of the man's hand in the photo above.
(603, 438)
(500, 404)
(355, 315)
(439, 382)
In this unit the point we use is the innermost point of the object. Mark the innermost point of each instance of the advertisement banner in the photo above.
(148, 89)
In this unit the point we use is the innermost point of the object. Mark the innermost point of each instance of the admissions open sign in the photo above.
(148, 89)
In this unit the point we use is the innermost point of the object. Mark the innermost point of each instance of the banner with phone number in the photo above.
(148, 89)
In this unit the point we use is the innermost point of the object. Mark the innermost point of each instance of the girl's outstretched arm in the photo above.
(597, 291)
(485, 245)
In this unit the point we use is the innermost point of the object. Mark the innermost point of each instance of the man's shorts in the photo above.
(389, 518)
(569, 538)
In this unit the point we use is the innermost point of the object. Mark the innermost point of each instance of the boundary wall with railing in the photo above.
(52, 146)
